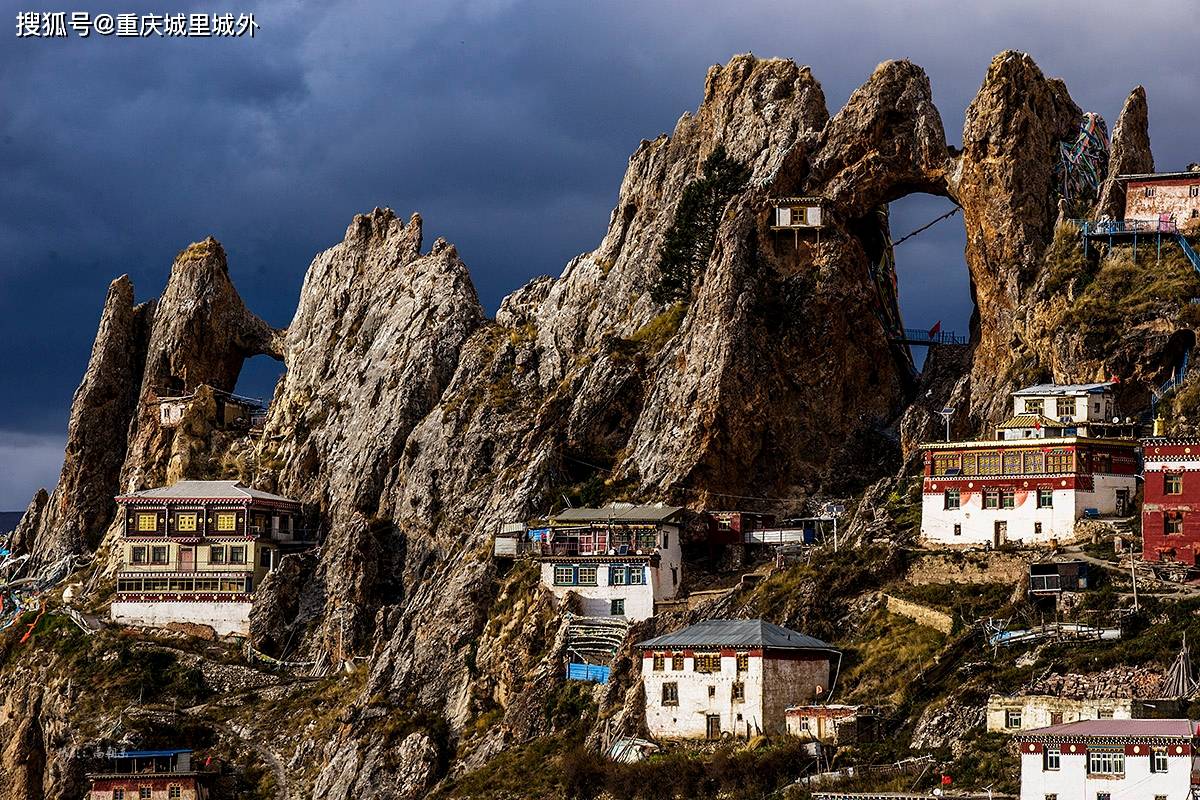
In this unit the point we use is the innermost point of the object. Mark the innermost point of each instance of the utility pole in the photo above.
(947, 413)
(1133, 574)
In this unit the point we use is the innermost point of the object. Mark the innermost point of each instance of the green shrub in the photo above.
(689, 241)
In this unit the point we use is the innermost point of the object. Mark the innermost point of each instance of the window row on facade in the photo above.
(670, 693)
(997, 499)
(1104, 761)
(1063, 406)
(1014, 462)
(217, 554)
(701, 662)
(237, 584)
(145, 793)
(618, 575)
(185, 521)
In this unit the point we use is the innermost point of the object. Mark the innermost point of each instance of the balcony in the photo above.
(1125, 227)
(617, 545)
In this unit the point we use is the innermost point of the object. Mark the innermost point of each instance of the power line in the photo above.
(926, 227)
(687, 488)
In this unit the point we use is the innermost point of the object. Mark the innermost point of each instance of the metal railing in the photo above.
(922, 336)
(1117, 227)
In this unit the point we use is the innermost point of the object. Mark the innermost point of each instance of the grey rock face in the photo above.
(81, 505)
(1130, 154)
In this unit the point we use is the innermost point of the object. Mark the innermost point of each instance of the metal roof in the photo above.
(736, 633)
(1055, 389)
(149, 753)
(619, 512)
(207, 490)
(1029, 421)
(1149, 176)
(1116, 727)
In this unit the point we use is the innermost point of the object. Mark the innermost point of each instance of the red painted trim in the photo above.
(1017, 484)
(1142, 183)
(182, 597)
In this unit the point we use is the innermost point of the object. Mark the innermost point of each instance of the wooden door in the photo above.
(713, 726)
(187, 559)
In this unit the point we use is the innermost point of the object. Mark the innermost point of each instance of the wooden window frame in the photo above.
(670, 693)
(1111, 761)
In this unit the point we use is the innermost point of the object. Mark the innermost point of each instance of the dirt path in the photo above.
(283, 786)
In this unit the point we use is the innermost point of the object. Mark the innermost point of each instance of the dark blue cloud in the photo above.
(507, 124)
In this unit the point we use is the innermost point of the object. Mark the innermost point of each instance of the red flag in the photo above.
(947, 780)
(1115, 379)
(937, 326)
(207, 761)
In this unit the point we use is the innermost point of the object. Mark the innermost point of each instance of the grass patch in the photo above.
(965, 602)
(812, 598)
(657, 332)
(884, 656)
(1126, 292)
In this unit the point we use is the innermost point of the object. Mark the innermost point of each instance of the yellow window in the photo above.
(226, 522)
(147, 522)
(185, 523)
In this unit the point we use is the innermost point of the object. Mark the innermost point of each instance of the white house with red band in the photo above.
(1109, 759)
(1034, 480)
(732, 677)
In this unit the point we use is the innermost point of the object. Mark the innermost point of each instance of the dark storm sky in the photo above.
(506, 124)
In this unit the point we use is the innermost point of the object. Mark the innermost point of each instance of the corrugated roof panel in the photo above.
(736, 633)
(619, 512)
(1029, 421)
(209, 490)
(1053, 389)
(1116, 727)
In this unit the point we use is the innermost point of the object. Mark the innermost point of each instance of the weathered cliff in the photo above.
(79, 508)
(1130, 154)
(411, 426)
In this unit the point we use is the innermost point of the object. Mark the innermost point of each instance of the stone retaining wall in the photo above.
(922, 615)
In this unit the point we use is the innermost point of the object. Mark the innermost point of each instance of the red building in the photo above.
(1171, 505)
(150, 775)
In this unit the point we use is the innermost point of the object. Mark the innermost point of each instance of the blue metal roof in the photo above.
(149, 753)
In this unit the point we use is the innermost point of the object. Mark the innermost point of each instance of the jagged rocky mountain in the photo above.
(410, 424)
